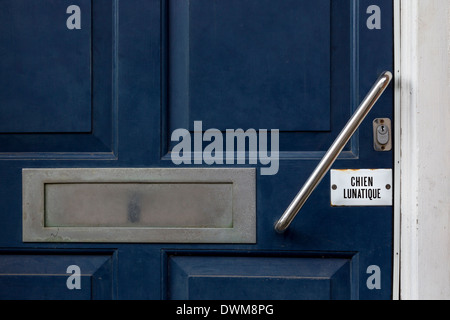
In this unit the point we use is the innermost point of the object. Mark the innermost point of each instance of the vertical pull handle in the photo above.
(336, 148)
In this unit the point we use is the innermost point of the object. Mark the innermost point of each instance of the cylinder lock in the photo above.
(382, 134)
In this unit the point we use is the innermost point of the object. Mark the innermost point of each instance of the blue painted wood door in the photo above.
(109, 95)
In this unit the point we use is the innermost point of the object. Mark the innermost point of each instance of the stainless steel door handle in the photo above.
(336, 148)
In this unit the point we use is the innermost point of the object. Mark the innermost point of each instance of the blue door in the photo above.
(148, 148)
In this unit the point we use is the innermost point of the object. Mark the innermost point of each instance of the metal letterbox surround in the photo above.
(242, 228)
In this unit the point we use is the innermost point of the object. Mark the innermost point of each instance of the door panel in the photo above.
(54, 81)
(44, 276)
(253, 278)
(254, 57)
(59, 83)
(281, 79)
(301, 67)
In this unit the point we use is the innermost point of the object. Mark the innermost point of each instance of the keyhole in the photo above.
(382, 136)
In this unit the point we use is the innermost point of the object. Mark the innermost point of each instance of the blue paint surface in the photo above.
(257, 64)
(134, 109)
(45, 74)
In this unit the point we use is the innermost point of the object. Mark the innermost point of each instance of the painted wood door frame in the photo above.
(422, 112)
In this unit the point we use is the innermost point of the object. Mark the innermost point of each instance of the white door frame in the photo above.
(397, 149)
(422, 153)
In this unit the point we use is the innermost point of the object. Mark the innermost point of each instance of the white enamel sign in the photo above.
(364, 187)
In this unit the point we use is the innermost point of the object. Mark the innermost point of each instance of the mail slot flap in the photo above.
(139, 205)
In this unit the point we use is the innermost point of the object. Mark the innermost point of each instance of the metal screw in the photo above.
(388, 186)
(334, 187)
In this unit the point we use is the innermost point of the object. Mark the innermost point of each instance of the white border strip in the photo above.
(397, 149)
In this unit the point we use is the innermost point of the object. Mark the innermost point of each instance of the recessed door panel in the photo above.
(47, 276)
(255, 63)
(258, 278)
(45, 67)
